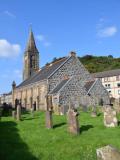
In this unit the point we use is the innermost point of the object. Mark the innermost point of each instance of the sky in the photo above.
(59, 26)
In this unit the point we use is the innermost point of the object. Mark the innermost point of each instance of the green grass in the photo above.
(30, 140)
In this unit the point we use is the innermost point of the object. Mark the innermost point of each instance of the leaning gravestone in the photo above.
(18, 116)
(110, 119)
(73, 125)
(14, 114)
(108, 153)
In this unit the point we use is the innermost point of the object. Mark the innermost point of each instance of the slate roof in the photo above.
(59, 86)
(43, 74)
(109, 73)
(88, 85)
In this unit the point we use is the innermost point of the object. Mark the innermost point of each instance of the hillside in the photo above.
(99, 64)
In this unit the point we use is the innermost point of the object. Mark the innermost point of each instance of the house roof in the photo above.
(59, 86)
(44, 73)
(88, 85)
(109, 73)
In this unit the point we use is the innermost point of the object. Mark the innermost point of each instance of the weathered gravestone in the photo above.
(18, 115)
(32, 111)
(14, 114)
(110, 119)
(108, 153)
(94, 112)
(49, 123)
(48, 115)
(73, 124)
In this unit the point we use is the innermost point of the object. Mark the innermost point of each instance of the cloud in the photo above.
(107, 32)
(104, 29)
(8, 50)
(43, 40)
(9, 14)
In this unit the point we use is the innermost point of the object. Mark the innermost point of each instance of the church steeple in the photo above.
(31, 46)
(31, 57)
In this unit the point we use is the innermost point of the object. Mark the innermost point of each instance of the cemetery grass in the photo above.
(30, 140)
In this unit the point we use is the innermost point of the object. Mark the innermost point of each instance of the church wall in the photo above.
(99, 92)
(72, 67)
(34, 93)
(74, 93)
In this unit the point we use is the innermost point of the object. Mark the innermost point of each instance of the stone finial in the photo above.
(13, 85)
(72, 53)
(108, 153)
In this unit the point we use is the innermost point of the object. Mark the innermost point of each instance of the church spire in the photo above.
(31, 46)
(31, 57)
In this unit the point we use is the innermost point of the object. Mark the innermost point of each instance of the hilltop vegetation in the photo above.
(96, 63)
(99, 64)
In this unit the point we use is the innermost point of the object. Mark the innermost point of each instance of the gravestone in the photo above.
(108, 153)
(48, 114)
(94, 112)
(49, 123)
(73, 124)
(110, 119)
(32, 111)
(18, 115)
(14, 114)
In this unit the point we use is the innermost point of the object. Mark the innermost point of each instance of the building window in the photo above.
(117, 78)
(106, 79)
(118, 85)
(119, 92)
(107, 85)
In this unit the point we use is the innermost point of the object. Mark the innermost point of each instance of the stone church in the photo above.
(66, 80)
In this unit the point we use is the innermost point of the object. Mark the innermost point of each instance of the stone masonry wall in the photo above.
(99, 93)
(72, 67)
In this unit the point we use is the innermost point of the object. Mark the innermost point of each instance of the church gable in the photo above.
(99, 93)
(70, 68)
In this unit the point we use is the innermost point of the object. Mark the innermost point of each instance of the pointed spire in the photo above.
(31, 46)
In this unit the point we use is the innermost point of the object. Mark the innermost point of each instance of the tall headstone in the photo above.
(14, 114)
(73, 124)
(110, 118)
(48, 115)
(49, 123)
(18, 116)
(108, 153)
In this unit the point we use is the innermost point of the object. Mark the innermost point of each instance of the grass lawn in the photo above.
(30, 140)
